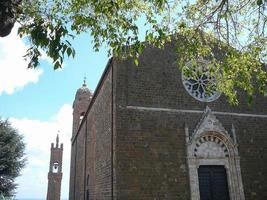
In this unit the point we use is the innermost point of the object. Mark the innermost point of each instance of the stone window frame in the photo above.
(204, 81)
(55, 167)
(210, 127)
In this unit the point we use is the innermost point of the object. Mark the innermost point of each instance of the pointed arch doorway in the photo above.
(213, 161)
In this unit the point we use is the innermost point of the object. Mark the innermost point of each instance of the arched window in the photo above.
(55, 167)
(82, 116)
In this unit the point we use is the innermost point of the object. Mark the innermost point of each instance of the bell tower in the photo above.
(55, 171)
(82, 99)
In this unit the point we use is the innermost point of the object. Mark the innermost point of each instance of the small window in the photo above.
(55, 167)
(81, 116)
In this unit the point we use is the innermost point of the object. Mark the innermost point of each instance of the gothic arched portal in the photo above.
(211, 145)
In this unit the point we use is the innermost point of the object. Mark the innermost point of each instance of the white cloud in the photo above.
(14, 74)
(38, 136)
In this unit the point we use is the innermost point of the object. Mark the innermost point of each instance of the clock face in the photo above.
(199, 82)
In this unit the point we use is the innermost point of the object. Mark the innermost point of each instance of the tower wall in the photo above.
(79, 110)
(55, 172)
(80, 105)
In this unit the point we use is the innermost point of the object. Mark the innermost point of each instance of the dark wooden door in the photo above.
(213, 183)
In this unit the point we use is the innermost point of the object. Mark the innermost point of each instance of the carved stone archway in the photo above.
(210, 144)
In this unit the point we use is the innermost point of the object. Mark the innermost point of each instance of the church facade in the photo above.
(151, 132)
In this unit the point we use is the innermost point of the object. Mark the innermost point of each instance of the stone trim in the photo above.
(210, 144)
(208, 122)
(142, 108)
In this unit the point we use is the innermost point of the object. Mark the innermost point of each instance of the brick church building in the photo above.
(152, 133)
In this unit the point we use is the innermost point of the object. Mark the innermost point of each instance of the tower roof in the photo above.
(57, 140)
(57, 143)
(83, 92)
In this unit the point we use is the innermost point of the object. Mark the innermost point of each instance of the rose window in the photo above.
(199, 82)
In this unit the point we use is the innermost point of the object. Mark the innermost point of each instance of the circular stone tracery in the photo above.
(199, 83)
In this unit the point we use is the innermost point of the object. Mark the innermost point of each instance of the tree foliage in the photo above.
(11, 157)
(8, 11)
(236, 26)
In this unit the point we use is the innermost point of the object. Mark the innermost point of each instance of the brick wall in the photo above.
(98, 163)
(79, 164)
(72, 171)
(157, 83)
(151, 157)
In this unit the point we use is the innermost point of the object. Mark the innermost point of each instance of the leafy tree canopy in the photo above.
(11, 158)
(8, 10)
(238, 27)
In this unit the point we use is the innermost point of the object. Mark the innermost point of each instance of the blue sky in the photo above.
(39, 104)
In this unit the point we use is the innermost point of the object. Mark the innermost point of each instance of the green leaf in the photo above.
(259, 2)
(136, 62)
(69, 51)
